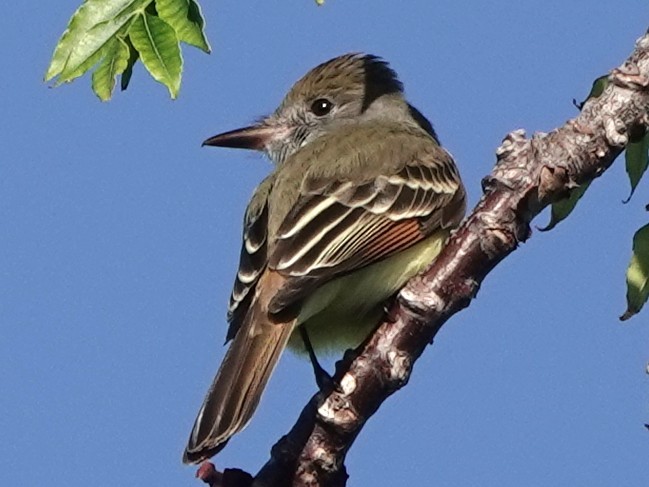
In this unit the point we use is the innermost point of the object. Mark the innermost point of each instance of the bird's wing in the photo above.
(339, 225)
(253, 259)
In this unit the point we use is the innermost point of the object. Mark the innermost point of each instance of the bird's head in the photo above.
(348, 89)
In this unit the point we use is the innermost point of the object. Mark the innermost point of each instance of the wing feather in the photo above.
(339, 223)
(253, 258)
(343, 227)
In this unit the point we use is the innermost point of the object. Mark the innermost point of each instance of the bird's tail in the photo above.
(239, 383)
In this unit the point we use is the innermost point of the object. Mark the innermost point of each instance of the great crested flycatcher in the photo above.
(361, 198)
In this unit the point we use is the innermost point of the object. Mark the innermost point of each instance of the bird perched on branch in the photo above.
(361, 198)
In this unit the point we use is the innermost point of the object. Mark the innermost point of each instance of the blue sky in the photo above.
(120, 239)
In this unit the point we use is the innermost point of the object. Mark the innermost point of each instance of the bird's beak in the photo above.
(255, 137)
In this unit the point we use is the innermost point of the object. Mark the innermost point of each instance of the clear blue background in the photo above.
(120, 237)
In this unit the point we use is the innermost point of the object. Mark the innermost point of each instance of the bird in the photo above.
(361, 197)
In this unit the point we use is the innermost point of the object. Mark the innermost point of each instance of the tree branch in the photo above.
(528, 176)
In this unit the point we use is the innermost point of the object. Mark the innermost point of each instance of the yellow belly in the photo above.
(342, 313)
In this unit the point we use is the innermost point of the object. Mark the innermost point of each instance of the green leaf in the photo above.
(599, 85)
(158, 46)
(637, 161)
(561, 209)
(187, 20)
(132, 59)
(637, 275)
(114, 62)
(89, 31)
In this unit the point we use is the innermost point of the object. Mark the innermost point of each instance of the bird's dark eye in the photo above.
(321, 107)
